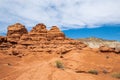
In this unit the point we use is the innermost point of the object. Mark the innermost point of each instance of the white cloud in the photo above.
(64, 13)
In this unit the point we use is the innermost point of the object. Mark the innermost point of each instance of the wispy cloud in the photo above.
(65, 13)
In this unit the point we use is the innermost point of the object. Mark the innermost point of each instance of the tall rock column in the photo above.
(55, 33)
(35, 36)
(39, 32)
(15, 32)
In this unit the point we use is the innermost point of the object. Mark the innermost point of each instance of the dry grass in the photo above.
(95, 72)
(59, 64)
(116, 75)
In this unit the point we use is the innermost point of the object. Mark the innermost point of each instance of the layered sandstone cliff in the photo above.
(20, 42)
(15, 32)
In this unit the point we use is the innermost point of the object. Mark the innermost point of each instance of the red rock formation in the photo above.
(35, 36)
(2, 39)
(39, 39)
(106, 49)
(39, 34)
(109, 49)
(39, 28)
(15, 32)
(55, 33)
(53, 41)
(4, 45)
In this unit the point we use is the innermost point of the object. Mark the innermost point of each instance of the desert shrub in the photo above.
(59, 64)
(93, 72)
(116, 75)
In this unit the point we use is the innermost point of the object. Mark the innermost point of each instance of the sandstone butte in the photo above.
(33, 55)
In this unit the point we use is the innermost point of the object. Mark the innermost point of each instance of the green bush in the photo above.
(116, 75)
(59, 64)
(93, 72)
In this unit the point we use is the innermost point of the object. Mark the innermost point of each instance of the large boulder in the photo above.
(106, 49)
(15, 32)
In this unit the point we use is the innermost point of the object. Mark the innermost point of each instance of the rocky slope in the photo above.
(43, 54)
(98, 42)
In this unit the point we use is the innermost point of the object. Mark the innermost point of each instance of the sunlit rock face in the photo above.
(20, 42)
(15, 32)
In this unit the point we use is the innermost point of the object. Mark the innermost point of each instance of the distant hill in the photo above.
(94, 42)
(95, 39)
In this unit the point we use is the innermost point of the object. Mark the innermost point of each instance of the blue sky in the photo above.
(100, 18)
(109, 32)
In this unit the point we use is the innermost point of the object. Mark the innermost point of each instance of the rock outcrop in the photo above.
(98, 42)
(117, 48)
(55, 33)
(109, 49)
(106, 49)
(4, 45)
(102, 44)
(39, 39)
(2, 39)
(15, 32)
(39, 28)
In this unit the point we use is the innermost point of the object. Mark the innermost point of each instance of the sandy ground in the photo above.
(76, 64)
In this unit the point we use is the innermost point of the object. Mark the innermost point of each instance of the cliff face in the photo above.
(15, 32)
(20, 42)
